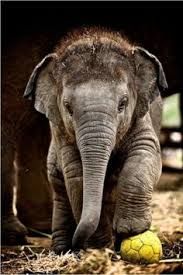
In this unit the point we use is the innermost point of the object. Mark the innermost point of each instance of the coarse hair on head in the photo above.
(93, 52)
(93, 37)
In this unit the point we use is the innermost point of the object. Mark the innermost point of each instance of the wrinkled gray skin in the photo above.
(104, 108)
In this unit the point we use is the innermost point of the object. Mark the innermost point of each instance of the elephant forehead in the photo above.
(106, 65)
(97, 89)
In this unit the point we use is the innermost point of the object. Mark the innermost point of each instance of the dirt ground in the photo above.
(167, 209)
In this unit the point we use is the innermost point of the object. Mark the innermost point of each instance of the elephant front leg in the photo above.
(134, 192)
(63, 224)
(67, 181)
(73, 175)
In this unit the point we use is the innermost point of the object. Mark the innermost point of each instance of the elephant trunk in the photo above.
(95, 144)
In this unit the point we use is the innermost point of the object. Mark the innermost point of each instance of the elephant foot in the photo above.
(125, 227)
(59, 247)
(60, 244)
(131, 226)
(102, 238)
(13, 232)
(98, 244)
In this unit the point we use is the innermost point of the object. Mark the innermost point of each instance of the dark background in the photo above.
(157, 26)
(20, 18)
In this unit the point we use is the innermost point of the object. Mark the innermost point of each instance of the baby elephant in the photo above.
(101, 96)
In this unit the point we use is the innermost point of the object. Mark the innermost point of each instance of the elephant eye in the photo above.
(68, 107)
(122, 104)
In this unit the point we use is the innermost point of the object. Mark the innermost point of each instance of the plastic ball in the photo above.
(143, 248)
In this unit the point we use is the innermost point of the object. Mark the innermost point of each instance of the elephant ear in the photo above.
(41, 88)
(150, 79)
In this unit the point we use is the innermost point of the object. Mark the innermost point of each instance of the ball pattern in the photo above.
(143, 248)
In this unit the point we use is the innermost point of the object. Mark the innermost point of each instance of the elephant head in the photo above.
(94, 86)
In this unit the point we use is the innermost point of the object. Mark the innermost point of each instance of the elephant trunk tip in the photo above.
(83, 232)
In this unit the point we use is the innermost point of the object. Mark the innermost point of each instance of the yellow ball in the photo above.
(143, 248)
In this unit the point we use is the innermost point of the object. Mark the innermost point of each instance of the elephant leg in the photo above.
(68, 197)
(13, 231)
(63, 223)
(140, 173)
(73, 175)
(34, 194)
